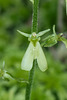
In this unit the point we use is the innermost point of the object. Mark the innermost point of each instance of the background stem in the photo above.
(34, 29)
(60, 12)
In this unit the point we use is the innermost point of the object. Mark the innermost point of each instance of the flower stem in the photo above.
(35, 16)
(34, 29)
(29, 85)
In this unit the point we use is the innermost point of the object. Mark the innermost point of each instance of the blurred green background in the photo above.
(17, 14)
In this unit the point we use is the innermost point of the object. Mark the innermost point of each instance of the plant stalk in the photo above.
(34, 29)
(35, 16)
(29, 85)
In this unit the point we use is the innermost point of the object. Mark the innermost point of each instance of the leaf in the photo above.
(41, 59)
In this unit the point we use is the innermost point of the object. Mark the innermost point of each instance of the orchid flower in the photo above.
(34, 51)
(5, 75)
(53, 39)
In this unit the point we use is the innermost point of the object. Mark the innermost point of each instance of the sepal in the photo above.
(24, 34)
(43, 32)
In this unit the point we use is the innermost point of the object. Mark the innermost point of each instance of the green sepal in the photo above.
(43, 32)
(24, 34)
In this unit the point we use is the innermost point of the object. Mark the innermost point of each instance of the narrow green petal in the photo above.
(27, 61)
(43, 32)
(24, 34)
(41, 59)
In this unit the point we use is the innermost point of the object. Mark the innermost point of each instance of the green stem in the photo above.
(35, 16)
(34, 29)
(29, 85)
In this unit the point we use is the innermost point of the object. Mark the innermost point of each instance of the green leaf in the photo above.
(24, 34)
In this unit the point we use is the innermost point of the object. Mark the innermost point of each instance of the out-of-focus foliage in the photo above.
(66, 6)
(50, 85)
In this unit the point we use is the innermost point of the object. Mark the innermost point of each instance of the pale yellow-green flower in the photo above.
(34, 51)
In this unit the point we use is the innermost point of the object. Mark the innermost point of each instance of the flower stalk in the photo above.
(34, 29)
(29, 85)
(35, 16)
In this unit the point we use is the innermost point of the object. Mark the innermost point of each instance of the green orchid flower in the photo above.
(53, 39)
(5, 75)
(50, 40)
(34, 51)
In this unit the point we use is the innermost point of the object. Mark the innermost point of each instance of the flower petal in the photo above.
(27, 61)
(41, 59)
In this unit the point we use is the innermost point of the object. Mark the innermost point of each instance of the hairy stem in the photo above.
(35, 16)
(34, 29)
(29, 86)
